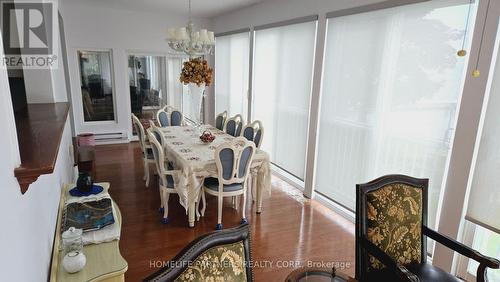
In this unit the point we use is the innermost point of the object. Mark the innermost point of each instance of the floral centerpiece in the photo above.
(197, 71)
(197, 74)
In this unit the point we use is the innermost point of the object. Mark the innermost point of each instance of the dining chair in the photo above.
(220, 120)
(162, 118)
(254, 132)
(176, 118)
(234, 125)
(391, 233)
(166, 175)
(147, 154)
(227, 253)
(233, 160)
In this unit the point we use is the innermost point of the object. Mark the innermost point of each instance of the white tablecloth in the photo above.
(196, 160)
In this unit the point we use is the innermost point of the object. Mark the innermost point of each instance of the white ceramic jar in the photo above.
(74, 261)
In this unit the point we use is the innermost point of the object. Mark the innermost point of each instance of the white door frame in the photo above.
(92, 126)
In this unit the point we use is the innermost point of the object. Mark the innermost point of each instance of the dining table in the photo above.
(196, 161)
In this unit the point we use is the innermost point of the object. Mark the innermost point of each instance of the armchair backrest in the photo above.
(162, 118)
(233, 160)
(234, 125)
(139, 129)
(254, 132)
(227, 252)
(220, 120)
(390, 213)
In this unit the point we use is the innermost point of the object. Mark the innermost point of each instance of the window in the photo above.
(96, 77)
(175, 87)
(283, 66)
(231, 78)
(391, 86)
(488, 244)
(484, 198)
(147, 83)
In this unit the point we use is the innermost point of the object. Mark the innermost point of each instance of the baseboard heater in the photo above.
(110, 138)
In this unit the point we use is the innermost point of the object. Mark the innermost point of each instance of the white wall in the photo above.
(29, 220)
(122, 31)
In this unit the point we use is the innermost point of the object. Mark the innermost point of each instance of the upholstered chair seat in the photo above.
(213, 184)
(170, 181)
(424, 271)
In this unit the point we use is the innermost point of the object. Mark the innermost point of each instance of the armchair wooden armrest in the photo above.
(484, 261)
(401, 271)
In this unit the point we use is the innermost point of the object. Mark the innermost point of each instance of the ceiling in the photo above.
(200, 8)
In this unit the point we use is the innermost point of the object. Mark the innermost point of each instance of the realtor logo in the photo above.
(29, 33)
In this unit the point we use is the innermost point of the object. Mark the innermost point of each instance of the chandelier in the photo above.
(189, 41)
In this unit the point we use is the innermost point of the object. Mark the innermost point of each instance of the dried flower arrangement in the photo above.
(196, 70)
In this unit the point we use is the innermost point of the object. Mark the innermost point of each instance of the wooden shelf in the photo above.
(39, 133)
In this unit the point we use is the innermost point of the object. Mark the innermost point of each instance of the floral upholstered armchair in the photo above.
(391, 233)
(217, 256)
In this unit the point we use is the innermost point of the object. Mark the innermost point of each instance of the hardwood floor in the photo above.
(291, 230)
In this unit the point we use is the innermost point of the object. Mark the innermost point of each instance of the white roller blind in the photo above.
(484, 198)
(231, 73)
(391, 85)
(283, 66)
(175, 87)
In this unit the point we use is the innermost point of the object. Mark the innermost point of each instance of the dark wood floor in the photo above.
(291, 229)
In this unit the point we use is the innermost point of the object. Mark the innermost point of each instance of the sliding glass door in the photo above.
(283, 65)
(232, 57)
(153, 82)
(391, 87)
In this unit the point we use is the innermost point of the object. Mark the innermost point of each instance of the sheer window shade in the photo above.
(283, 65)
(232, 56)
(175, 88)
(484, 197)
(391, 85)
